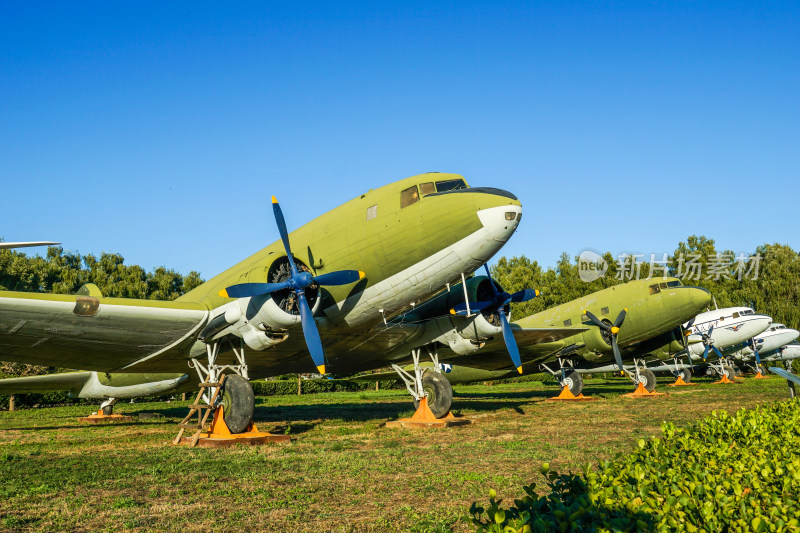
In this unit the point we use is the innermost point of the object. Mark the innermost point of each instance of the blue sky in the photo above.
(160, 130)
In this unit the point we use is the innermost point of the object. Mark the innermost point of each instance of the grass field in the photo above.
(343, 470)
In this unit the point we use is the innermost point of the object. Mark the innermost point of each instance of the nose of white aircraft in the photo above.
(757, 324)
(501, 221)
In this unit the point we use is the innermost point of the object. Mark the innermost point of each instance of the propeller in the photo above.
(708, 342)
(498, 302)
(612, 331)
(298, 281)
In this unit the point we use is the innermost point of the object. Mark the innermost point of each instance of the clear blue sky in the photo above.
(160, 130)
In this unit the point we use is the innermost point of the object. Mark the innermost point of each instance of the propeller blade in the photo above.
(620, 318)
(488, 275)
(511, 342)
(617, 355)
(340, 277)
(276, 209)
(461, 309)
(705, 353)
(597, 321)
(311, 333)
(719, 354)
(242, 290)
(758, 357)
(524, 295)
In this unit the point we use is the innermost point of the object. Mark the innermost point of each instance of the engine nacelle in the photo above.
(459, 344)
(477, 328)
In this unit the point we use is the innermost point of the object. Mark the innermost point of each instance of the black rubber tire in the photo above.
(238, 402)
(108, 410)
(439, 392)
(648, 378)
(685, 374)
(574, 381)
(762, 368)
(730, 372)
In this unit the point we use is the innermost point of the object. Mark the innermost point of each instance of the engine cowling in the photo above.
(262, 321)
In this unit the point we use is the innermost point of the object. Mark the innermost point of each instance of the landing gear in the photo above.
(574, 381)
(428, 383)
(432, 394)
(644, 379)
(105, 414)
(570, 380)
(438, 391)
(229, 397)
(107, 407)
(685, 374)
(648, 379)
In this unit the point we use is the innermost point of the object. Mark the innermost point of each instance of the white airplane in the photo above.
(784, 353)
(8, 245)
(723, 329)
(775, 336)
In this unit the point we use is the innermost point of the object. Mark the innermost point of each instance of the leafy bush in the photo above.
(725, 473)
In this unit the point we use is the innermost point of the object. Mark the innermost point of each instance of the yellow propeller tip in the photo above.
(274, 200)
(537, 292)
(583, 312)
(452, 311)
(519, 369)
(362, 275)
(224, 293)
(321, 369)
(625, 309)
(615, 330)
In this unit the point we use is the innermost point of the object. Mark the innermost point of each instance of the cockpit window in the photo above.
(450, 185)
(409, 196)
(663, 285)
(674, 283)
(654, 289)
(426, 188)
(747, 312)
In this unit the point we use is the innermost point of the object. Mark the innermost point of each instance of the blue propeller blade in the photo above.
(511, 342)
(719, 354)
(488, 275)
(276, 208)
(242, 290)
(524, 295)
(705, 353)
(311, 333)
(341, 277)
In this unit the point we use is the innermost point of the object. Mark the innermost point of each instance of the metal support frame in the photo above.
(563, 365)
(213, 371)
(414, 383)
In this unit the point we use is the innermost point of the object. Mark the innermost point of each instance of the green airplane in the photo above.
(336, 282)
(635, 321)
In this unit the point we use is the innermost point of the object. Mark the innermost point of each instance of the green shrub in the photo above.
(725, 473)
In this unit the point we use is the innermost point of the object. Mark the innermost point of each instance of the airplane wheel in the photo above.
(685, 374)
(761, 369)
(238, 403)
(731, 373)
(439, 392)
(108, 410)
(648, 379)
(574, 381)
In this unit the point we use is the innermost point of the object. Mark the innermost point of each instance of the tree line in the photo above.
(768, 279)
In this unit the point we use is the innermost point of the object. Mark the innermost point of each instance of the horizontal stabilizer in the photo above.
(45, 383)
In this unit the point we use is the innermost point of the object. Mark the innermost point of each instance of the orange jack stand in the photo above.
(218, 434)
(725, 381)
(566, 395)
(680, 383)
(100, 418)
(760, 376)
(641, 392)
(424, 418)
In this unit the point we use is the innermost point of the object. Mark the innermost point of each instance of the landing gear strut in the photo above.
(570, 380)
(428, 383)
(644, 379)
(105, 414)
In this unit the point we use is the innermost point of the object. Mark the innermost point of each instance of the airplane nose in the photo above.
(700, 297)
(501, 221)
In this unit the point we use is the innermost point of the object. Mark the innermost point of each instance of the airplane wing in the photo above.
(8, 245)
(95, 333)
(785, 374)
(535, 345)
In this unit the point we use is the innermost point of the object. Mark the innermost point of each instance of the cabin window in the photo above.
(604, 311)
(663, 285)
(654, 289)
(372, 211)
(735, 315)
(409, 196)
(721, 318)
(568, 322)
(450, 185)
(426, 188)
(673, 284)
